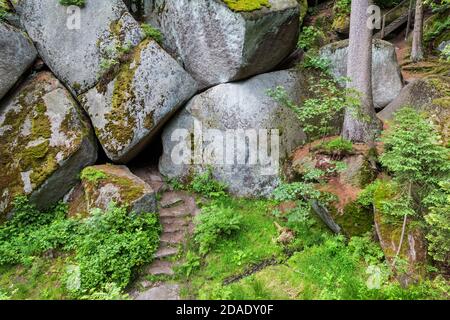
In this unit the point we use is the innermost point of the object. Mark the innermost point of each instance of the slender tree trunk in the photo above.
(417, 46)
(402, 236)
(360, 125)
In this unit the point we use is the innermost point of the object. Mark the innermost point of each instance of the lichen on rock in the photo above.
(42, 132)
(128, 106)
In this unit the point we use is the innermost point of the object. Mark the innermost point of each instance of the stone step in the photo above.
(165, 251)
(162, 292)
(178, 221)
(171, 228)
(173, 237)
(173, 200)
(179, 211)
(161, 267)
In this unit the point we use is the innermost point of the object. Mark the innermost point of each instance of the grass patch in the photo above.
(254, 243)
(332, 270)
(39, 281)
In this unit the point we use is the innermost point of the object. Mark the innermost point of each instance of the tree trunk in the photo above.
(417, 48)
(360, 125)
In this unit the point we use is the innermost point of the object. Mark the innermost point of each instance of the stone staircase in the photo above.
(176, 212)
(177, 209)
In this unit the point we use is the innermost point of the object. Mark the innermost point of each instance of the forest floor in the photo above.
(411, 71)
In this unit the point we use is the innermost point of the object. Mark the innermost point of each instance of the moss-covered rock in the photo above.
(221, 41)
(76, 50)
(45, 141)
(303, 9)
(413, 250)
(355, 219)
(128, 108)
(431, 95)
(103, 184)
(246, 5)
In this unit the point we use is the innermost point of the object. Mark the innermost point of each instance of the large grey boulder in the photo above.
(223, 129)
(386, 75)
(217, 44)
(420, 94)
(74, 53)
(128, 109)
(16, 56)
(45, 141)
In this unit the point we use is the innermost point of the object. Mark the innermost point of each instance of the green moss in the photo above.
(356, 220)
(341, 23)
(149, 121)
(442, 102)
(390, 232)
(25, 145)
(95, 177)
(37, 152)
(76, 86)
(367, 174)
(38, 158)
(303, 9)
(92, 174)
(121, 120)
(129, 190)
(440, 84)
(41, 127)
(246, 5)
(384, 191)
(254, 244)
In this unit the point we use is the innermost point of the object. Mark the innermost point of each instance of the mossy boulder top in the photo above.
(221, 41)
(386, 76)
(128, 109)
(16, 56)
(75, 53)
(103, 185)
(239, 106)
(45, 141)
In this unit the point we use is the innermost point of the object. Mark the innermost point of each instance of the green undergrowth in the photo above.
(331, 270)
(252, 243)
(96, 257)
(4, 9)
(39, 281)
(236, 253)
